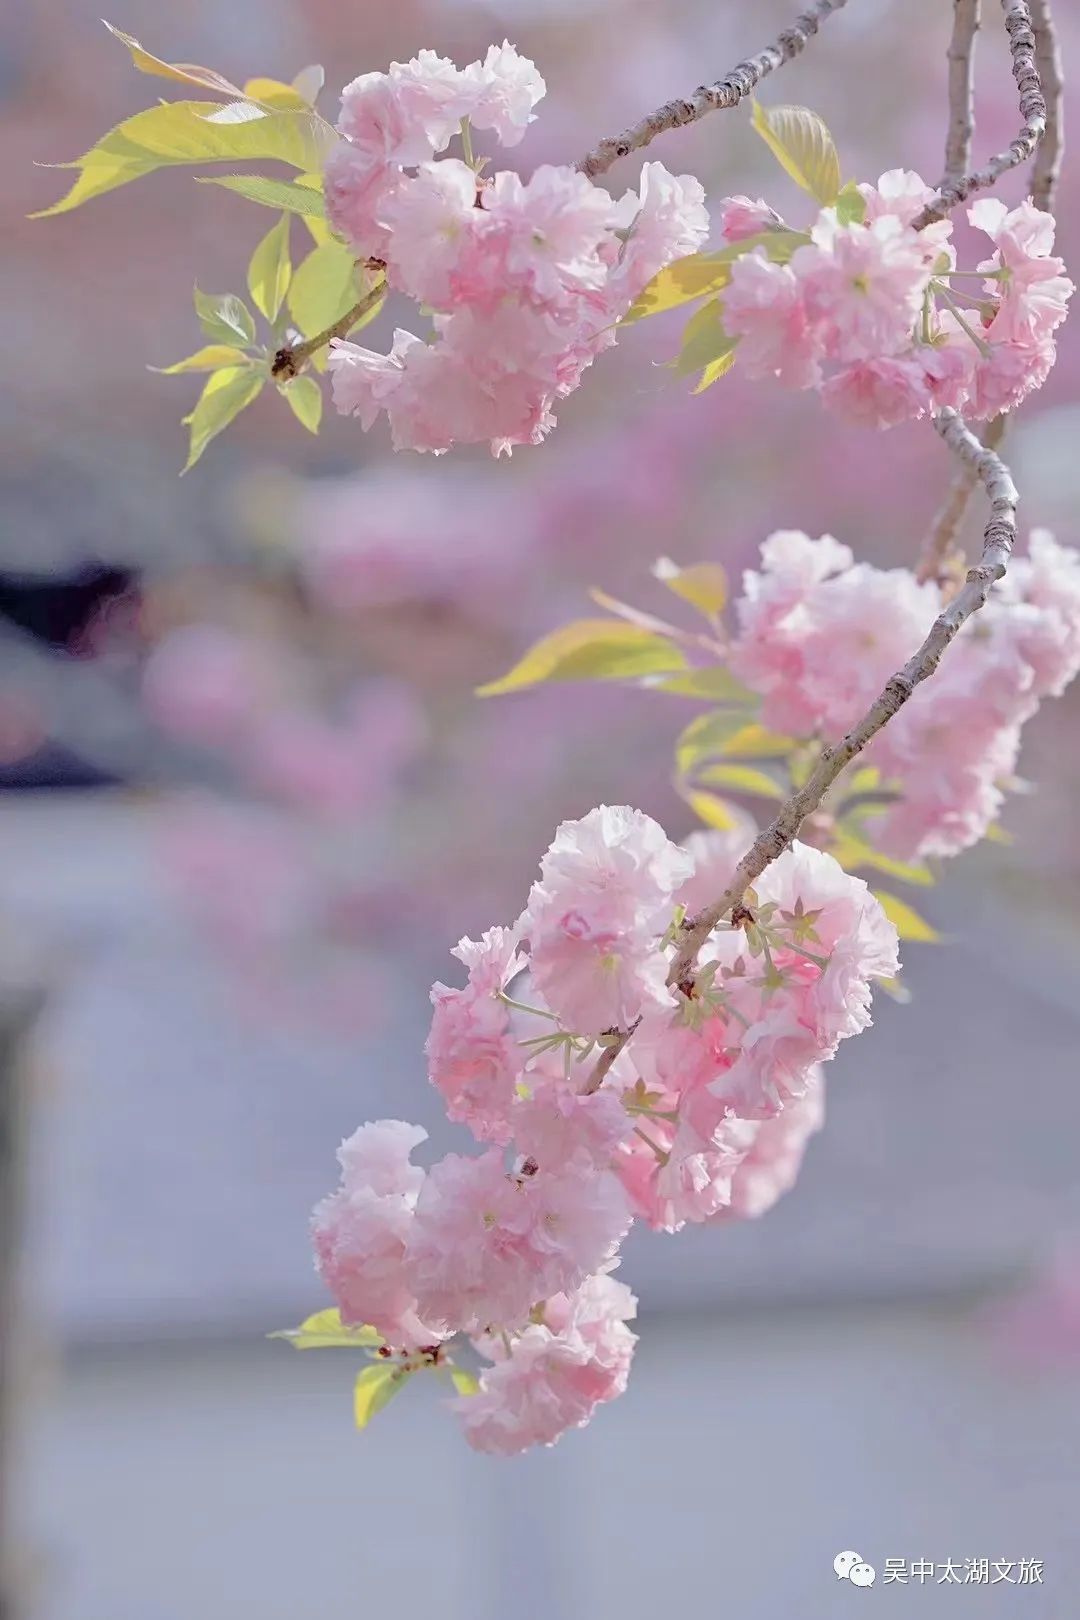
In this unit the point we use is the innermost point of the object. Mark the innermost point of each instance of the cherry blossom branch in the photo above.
(290, 360)
(1048, 61)
(961, 88)
(940, 541)
(726, 92)
(1032, 109)
(998, 538)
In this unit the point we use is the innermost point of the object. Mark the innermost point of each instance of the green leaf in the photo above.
(997, 834)
(590, 650)
(745, 779)
(226, 394)
(305, 399)
(705, 340)
(715, 370)
(183, 72)
(323, 287)
(906, 920)
(703, 585)
(224, 318)
(263, 188)
(803, 147)
(466, 1383)
(850, 205)
(309, 82)
(324, 1331)
(756, 742)
(852, 852)
(270, 270)
(705, 737)
(273, 93)
(713, 811)
(864, 780)
(716, 682)
(375, 1387)
(211, 358)
(701, 273)
(194, 132)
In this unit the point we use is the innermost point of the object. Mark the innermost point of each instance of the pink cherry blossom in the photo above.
(361, 1232)
(864, 284)
(204, 683)
(485, 1246)
(556, 1372)
(1033, 288)
(605, 895)
(765, 308)
(771, 1164)
(741, 217)
(356, 191)
(474, 1058)
(430, 220)
(879, 393)
(503, 90)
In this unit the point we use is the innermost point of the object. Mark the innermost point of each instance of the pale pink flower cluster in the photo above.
(874, 314)
(703, 1115)
(524, 278)
(819, 635)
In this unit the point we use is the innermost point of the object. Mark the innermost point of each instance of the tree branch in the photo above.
(1033, 111)
(1049, 152)
(998, 539)
(727, 92)
(961, 89)
(940, 541)
(289, 361)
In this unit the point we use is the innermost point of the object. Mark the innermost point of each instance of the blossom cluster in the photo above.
(819, 635)
(703, 1115)
(876, 315)
(525, 279)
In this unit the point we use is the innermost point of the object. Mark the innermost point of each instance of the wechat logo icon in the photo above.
(850, 1566)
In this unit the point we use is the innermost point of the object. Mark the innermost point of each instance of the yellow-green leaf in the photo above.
(802, 145)
(864, 780)
(270, 270)
(744, 779)
(226, 394)
(305, 400)
(713, 811)
(323, 287)
(224, 318)
(716, 682)
(210, 358)
(375, 1387)
(194, 132)
(997, 834)
(702, 273)
(705, 737)
(263, 188)
(272, 93)
(590, 650)
(906, 920)
(704, 340)
(325, 1331)
(852, 853)
(703, 585)
(466, 1383)
(182, 72)
(850, 205)
(715, 370)
(757, 742)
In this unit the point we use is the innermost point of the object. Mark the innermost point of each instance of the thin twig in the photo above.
(961, 89)
(727, 92)
(1032, 110)
(290, 361)
(1049, 152)
(998, 539)
(940, 542)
